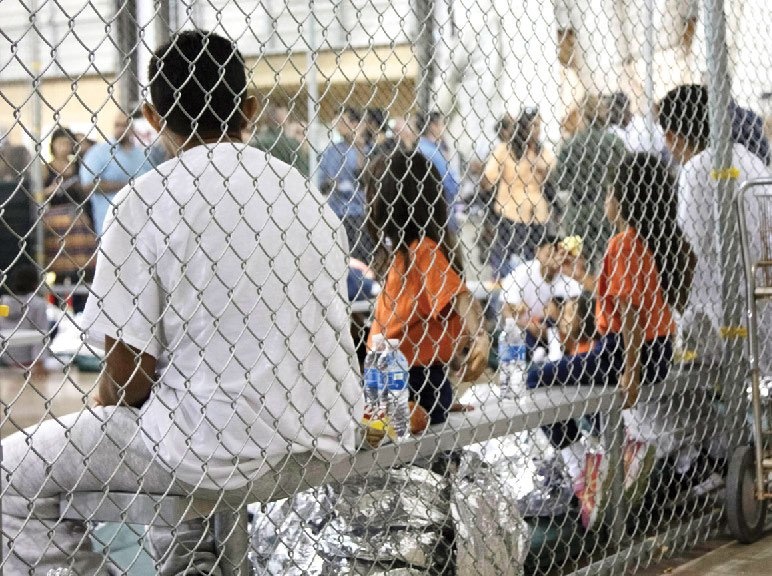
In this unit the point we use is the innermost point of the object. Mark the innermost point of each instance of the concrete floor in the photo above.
(732, 559)
(27, 402)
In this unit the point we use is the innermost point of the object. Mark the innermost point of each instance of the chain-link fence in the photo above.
(369, 287)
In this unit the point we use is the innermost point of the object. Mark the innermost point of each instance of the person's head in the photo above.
(198, 87)
(122, 128)
(619, 112)
(405, 133)
(432, 126)
(525, 132)
(548, 255)
(684, 117)
(406, 202)
(24, 280)
(295, 130)
(644, 197)
(375, 121)
(595, 112)
(505, 127)
(62, 144)
(348, 123)
(577, 319)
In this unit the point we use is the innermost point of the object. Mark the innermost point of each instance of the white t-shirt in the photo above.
(698, 216)
(641, 135)
(526, 285)
(224, 266)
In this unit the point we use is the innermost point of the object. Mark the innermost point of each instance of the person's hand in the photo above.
(629, 385)
(574, 267)
(459, 407)
(476, 359)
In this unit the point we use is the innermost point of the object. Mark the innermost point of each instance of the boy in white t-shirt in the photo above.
(532, 289)
(219, 297)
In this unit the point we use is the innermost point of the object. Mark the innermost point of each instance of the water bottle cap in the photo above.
(510, 324)
(378, 341)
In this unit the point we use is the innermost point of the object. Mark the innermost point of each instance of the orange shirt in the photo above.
(415, 305)
(629, 271)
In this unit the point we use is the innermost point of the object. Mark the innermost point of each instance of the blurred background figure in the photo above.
(108, 167)
(518, 169)
(340, 168)
(271, 136)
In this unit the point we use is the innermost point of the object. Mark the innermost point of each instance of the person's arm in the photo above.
(632, 339)
(127, 377)
(475, 361)
(327, 172)
(492, 172)
(576, 268)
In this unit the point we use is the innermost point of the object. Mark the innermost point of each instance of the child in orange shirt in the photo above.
(644, 274)
(424, 302)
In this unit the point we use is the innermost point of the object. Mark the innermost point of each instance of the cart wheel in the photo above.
(745, 513)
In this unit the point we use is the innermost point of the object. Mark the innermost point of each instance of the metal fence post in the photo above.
(719, 86)
(424, 46)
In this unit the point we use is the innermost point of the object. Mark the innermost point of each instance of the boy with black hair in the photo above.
(217, 273)
(684, 116)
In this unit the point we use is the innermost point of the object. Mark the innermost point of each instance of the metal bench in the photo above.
(490, 420)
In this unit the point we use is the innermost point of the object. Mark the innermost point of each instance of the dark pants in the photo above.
(513, 238)
(601, 366)
(430, 387)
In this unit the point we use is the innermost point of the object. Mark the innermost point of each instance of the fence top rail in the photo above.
(491, 419)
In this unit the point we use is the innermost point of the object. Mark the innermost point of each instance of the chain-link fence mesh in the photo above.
(368, 287)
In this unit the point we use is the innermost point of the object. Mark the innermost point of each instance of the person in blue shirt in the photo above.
(748, 130)
(434, 149)
(109, 166)
(339, 169)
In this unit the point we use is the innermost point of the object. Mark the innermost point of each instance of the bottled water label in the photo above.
(373, 378)
(396, 381)
(511, 353)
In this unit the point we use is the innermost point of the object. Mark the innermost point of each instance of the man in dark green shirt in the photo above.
(587, 165)
(272, 139)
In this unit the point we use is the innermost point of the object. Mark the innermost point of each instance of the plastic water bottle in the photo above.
(512, 367)
(373, 380)
(396, 375)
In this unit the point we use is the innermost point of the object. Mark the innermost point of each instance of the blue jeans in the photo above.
(601, 366)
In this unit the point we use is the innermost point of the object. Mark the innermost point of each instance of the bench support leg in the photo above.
(231, 533)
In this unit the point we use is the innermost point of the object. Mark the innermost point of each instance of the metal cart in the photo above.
(747, 484)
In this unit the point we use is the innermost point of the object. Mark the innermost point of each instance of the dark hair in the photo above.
(423, 121)
(684, 111)
(198, 83)
(24, 280)
(585, 310)
(61, 132)
(351, 112)
(547, 239)
(504, 123)
(618, 108)
(376, 116)
(522, 132)
(646, 193)
(406, 203)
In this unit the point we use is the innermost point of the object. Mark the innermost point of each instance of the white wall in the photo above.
(73, 40)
